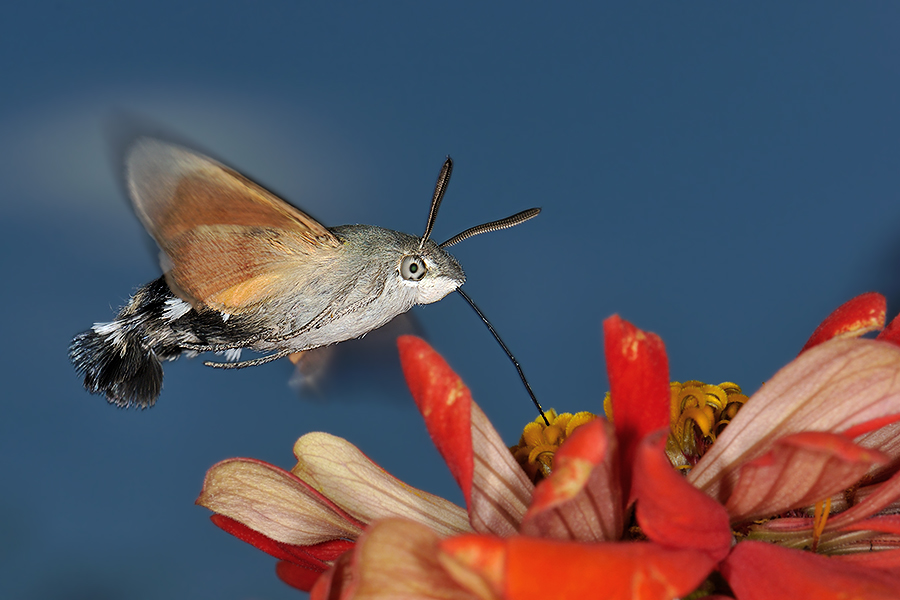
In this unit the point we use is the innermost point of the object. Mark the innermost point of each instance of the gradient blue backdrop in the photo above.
(723, 175)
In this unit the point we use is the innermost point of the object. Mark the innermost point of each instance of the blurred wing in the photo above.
(231, 243)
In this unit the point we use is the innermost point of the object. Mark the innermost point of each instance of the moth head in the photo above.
(431, 268)
(431, 271)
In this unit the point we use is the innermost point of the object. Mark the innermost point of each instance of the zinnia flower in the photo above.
(810, 462)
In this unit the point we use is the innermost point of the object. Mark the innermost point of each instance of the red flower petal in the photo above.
(539, 569)
(476, 562)
(886, 559)
(671, 511)
(297, 576)
(581, 500)
(638, 371)
(860, 315)
(883, 524)
(336, 582)
(313, 557)
(761, 571)
(800, 470)
(495, 487)
(891, 333)
(444, 402)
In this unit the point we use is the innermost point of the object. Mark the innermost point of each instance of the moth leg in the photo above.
(249, 363)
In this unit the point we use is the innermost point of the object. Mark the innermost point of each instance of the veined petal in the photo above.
(762, 571)
(273, 502)
(537, 569)
(886, 493)
(395, 559)
(671, 511)
(495, 487)
(855, 317)
(638, 371)
(581, 499)
(884, 439)
(339, 471)
(800, 470)
(831, 387)
(501, 491)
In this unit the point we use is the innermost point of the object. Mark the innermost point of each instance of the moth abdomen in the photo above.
(122, 359)
(118, 359)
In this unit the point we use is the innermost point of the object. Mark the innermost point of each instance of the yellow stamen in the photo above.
(539, 441)
(698, 414)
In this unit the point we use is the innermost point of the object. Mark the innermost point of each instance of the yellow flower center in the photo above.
(698, 414)
(539, 441)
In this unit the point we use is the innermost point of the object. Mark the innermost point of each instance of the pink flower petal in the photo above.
(638, 371)
(831, 387)
(761, 571)
(538, 569)
(800, 470)
(671, 511)
(501, 491)
(273, 502)
(581, 500)
(396, 559)
(496, 489)
(860, 315)
(343, 474)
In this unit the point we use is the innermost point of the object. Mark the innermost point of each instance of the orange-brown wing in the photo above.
(230, 244)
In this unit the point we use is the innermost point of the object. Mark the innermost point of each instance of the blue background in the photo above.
(721, 174)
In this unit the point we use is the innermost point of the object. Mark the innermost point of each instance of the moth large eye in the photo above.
(412, 268)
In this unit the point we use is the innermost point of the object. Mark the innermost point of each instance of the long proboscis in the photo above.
(493, 226)
(508, 353)
(440, 188)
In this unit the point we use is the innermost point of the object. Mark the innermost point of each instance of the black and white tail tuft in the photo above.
(122, 358)
(117, 364)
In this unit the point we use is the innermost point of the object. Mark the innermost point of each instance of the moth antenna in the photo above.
(505, 349)
(249, 363)
(440, 187)
(493, 226)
